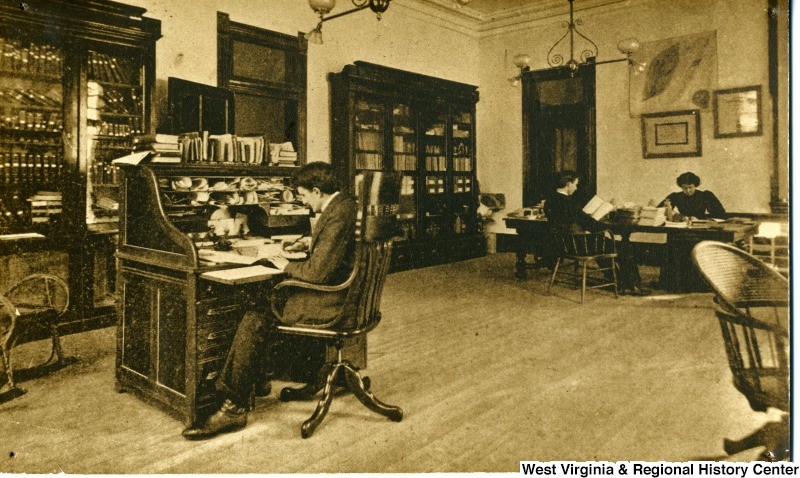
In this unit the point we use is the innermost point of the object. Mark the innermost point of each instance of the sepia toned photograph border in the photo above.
(363, 236)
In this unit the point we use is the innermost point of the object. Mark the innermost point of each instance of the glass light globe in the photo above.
(322, 6)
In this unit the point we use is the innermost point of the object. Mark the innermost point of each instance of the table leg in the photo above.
(522, 251)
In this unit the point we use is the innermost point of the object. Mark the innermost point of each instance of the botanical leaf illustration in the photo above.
(661, 70)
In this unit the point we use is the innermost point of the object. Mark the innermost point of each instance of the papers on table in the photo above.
(225, 257)
(134, 158)
(241, 275)
(24, 235)
(676, 224)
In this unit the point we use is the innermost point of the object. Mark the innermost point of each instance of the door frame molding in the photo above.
(533, 139)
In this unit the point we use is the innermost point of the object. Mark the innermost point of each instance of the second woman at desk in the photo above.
(332, 254)
(692, 202)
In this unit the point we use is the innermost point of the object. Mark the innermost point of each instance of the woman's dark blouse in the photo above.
(701, 204)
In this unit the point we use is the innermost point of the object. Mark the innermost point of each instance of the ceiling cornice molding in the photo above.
(541, 12)
(437, 12)
(532, 17)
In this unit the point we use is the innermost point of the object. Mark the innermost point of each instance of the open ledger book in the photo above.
(598, 207)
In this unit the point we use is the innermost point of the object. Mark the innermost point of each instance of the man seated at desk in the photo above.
(692, 202)
(565, 215)
(331, 260)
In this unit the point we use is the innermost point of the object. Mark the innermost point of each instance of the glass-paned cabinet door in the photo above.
(404, 159)
(31, 144)
(435, 201)
(462, 177)
(370, 130)
(115, 114)
(461, 144)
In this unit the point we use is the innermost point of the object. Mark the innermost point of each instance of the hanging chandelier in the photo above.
(323, 7)
(556, 56)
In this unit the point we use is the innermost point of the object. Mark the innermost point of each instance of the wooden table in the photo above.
(677, 270)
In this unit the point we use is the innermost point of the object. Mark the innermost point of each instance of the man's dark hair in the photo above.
(316, 175)
(688, 178)
(565, 177)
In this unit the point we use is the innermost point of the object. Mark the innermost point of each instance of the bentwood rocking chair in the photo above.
(752, 308)
(378, 195)
(33, 305)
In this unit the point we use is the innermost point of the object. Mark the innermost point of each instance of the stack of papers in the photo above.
(241, 275)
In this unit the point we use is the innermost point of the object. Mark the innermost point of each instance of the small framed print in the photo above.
(737, 112)
(674, 134)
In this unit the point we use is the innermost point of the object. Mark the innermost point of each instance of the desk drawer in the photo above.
(213, 316)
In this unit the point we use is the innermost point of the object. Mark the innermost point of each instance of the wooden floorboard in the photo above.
(489, 371)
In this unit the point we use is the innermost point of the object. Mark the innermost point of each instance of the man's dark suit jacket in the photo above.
(330, 262)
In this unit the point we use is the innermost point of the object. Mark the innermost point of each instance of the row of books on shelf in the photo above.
(116, 102)
(28, 97)
(403, 146)
(29, 120)
(462, 164)
(104, 173)
(120, 128)
(405, 162)
(369, 161)
(29, 57)
(436, 163)
(44, 204)
(372, 141)
(201, 147)
(433, 149)
(25, 169)
(106, 68)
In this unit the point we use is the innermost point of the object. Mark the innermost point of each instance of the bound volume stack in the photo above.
(652, 216)
(627, 215)
(165, 148)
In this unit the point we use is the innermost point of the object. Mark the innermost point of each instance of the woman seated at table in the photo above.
(692, 202)
(564, 215)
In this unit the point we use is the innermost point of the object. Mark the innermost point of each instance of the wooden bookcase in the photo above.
(388, 119)
(77, 80)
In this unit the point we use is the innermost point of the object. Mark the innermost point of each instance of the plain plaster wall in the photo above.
(737, 169)
(404, 38)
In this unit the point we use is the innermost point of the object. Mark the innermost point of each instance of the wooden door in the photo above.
(558, 121)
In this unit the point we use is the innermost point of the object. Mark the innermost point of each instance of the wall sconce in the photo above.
(523, 62)
(323, 7)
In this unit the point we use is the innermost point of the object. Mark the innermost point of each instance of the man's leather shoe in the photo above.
(263, 389)
(636, 291)
(227, 419)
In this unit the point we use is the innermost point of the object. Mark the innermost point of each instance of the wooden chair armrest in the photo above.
(318, 287)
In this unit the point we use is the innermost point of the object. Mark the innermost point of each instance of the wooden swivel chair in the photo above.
(752, 307)
(582, 248)
(33, 305)
(378, 195)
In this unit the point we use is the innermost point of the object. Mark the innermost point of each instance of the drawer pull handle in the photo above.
(224, 310)
(215, 336)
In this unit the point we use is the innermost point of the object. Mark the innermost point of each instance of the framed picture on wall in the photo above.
(737, 112)
(673, 134)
